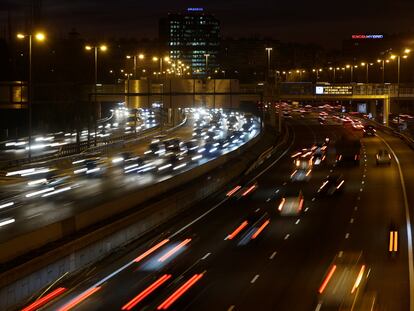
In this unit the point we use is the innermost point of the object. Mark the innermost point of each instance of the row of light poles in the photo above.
(40, 37)
(317, 71)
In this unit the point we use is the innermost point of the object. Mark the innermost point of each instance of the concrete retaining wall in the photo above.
(20, 283)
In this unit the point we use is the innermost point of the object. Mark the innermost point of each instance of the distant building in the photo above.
(192, 37)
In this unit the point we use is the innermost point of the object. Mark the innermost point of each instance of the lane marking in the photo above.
(306, 209)
(347, 236)
(205, 256)
(231, 308)
(408, 224)
(287, 236)
(319, 306)
(351, 221)
(355, 208)
(273, 255)
(313, 199)
(297, 221)
(254, 279)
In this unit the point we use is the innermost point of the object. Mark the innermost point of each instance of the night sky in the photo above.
(326, 22)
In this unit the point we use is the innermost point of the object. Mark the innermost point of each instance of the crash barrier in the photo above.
(165, 200)
(408, 140)
(269, 152)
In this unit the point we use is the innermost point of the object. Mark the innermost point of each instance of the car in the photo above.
(343, 282)
(155, 148)
(92, 167)
(302, 168)
(243, 192)
(250, 228)
(319, 154)
(369, 130)
(383, 157)
(191, 146)
(291, 204)
(173, 145)
(332, 185)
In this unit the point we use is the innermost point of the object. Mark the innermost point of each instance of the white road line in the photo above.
(313, 199)
(287, 236)
(346, 235)
(355, 208)
(408, 224)
(340, 254)
(360, 189)
(319, 306)
(306, 209)
(273, 255)
(351, 221)
(231, 308)
(205, 256)
(197, 219)
(257, 209)
(358, 198)
(297, 221)
(254, 279)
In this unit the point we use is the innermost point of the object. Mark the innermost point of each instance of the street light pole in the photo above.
(207, 56)
(30, 97)
(39, 37)
(268, 50)
(95, 48)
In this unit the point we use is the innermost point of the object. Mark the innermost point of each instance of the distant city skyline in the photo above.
(324, 23)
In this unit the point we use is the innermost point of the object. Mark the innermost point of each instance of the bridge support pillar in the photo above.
(373, 108)
(386, 111)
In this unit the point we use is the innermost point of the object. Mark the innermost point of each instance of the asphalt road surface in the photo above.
(193, 264)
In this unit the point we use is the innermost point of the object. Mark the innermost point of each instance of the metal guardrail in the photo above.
(269, 152)
(408, 140)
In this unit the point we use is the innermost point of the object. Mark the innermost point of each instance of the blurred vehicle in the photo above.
(319, 154)
(302, 168)
(348, 150)
(243, 192)
(173, 145)
(93, 167)
(332, 185)
(383, 157)
(210, 149)
(369, 130)
(344, 282)
(155, 148)
(291, 204)
(250, 228)
(191, 146)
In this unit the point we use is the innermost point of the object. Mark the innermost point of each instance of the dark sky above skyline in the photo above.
(326, 22)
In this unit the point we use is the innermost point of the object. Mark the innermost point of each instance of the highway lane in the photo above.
(284, 268)
(37, 212)
(222, 224)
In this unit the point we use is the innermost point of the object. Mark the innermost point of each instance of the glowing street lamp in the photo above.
(96, 48)
(39, 36)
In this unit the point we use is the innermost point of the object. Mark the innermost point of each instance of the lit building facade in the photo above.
(192, 37)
